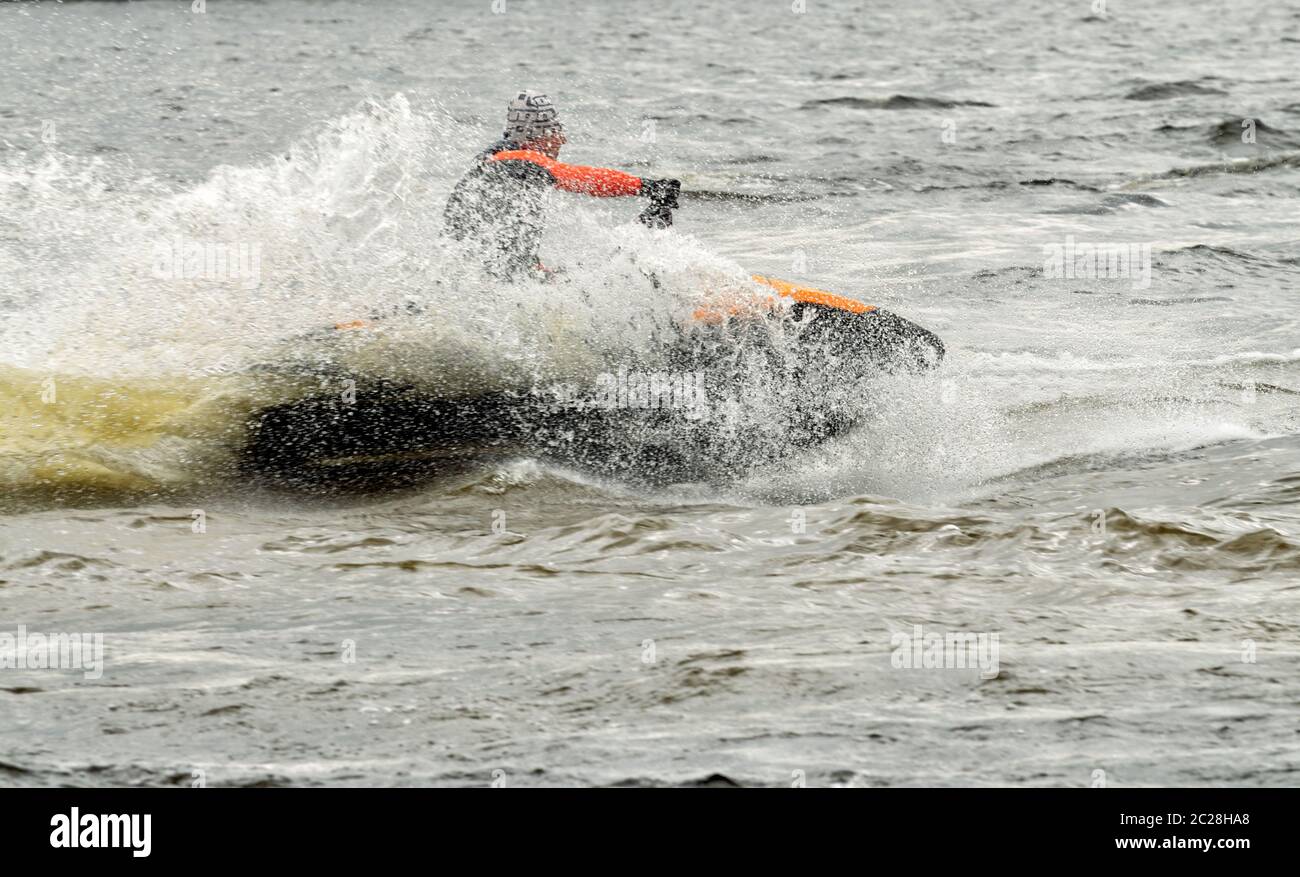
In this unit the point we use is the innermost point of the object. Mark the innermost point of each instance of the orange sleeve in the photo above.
(599, 181)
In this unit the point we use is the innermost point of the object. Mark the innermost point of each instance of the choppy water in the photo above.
(1104, 473)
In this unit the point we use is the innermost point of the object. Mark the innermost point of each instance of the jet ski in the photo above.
(802, 357)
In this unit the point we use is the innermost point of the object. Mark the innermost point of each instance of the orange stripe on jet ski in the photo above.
(353, 324)
(814, 296)
(785, 289)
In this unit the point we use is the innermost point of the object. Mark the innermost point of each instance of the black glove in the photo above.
(663, 201)
(662, 193)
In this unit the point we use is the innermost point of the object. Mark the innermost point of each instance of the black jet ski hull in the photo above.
(386, 435)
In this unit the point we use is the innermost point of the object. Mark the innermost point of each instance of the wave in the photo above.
(998, 185)
(1182, 546)
(1059, 181)
(1168, 90)
(1112, 202)
(894, 102)
(1197, 257)
(1229, 133)
(75, 439)
(1231, 166)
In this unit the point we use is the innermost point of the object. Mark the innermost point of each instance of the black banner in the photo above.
(217, 826)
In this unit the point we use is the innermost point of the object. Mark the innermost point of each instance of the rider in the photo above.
(498, 207)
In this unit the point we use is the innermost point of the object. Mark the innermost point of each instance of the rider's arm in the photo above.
(599, 181)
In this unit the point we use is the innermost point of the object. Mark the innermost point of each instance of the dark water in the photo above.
(1104, 474)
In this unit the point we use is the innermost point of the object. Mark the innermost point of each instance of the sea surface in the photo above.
(1100, 485)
